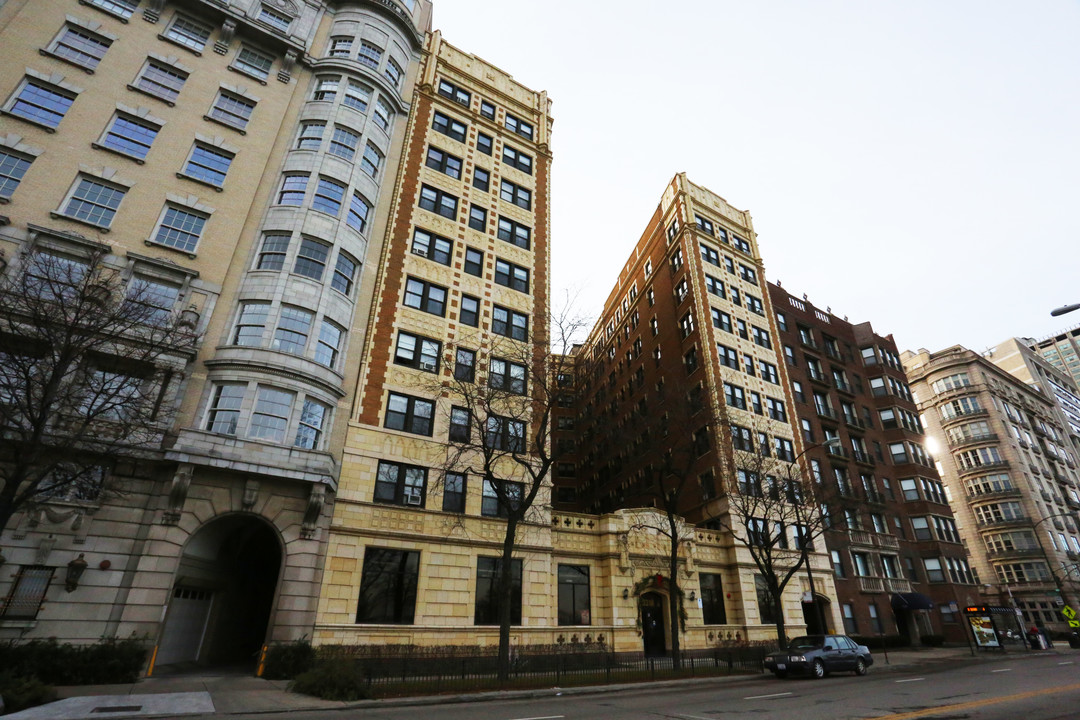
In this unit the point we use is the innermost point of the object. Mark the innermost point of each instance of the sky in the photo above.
(915, 164)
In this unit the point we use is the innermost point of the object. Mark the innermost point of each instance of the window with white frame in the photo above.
(224, 416)
(293, 329)
(208, 164)
(180, 228)
(357, 96)
(275, 18)
(270, 416)
(232, 110)
(161, 80)
(12, 169)
(328, 346)
(254, 63)
(313, 420)
(328, 196)
(311, 258)
(370, 55)
(326, 87)
(343, 143)
(311, 134)
(152, 300)
(273, 250)
(359, 209)
(393, 72)
(344, 273)
(130, 136)
(40, 102)
(383, 114)
(251, 323)
(340, 46)
(371, 161)
(188, 32)
(121, 8)
(79, 46)
(94, 201)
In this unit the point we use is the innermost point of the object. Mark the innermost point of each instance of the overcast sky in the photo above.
(914, 164)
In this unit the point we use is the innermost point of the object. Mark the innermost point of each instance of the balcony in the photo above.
(1015, 553)
(897, 585)
(996, 495)
(818, 377)
(973, 440)
(1024, 521)
(853, 421)
(808, 341)
(843, 386)
(827, 412)
(985, 467)
(861, 456)
(871, 585)
(1074, 504)
(861, 537)
(962, 416)
(874, 497)
(886, 542)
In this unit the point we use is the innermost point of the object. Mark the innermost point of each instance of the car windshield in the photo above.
(807, 641)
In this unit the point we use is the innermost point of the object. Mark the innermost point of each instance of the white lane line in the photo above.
(692, 717)
(911, 680)
(766, 697)
(1003, 670)
(1069, 662)
(545, 717)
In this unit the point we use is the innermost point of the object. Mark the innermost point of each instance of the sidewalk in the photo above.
(211, 694)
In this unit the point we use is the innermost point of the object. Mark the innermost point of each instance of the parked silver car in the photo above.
(819, 655)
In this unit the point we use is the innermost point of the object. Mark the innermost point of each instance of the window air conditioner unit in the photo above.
(412, 499)
(429, 366)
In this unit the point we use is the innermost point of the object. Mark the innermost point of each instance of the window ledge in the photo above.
(210, 118)
(18, 624)
(4, 199)
(43, 126)
(153, 243)
(116, 15)
(139, 90)
(99, 146)
(69, 61)
(177, 43)
(257, 78)
(61, 216)
(192, 178)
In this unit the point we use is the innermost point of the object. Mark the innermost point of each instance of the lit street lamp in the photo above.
(1064, 309)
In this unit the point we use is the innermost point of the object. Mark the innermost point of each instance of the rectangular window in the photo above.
(400, 484)
(465, 365)
(356, 96)
(326, 89)
(94, 202)
(506, 375)
(161, 80)
(340, 47)
(438, 202)
(225, 409)
(517, 159)
(310, 430)
(294, 326)
(151, 301)
(328, 345)
(370, 55)
(449, 127)
(520, 127)
(444, 162)
(409, 414)
(425, 296)
(27, 593)
(393, 72)
(481, 179)
(504, 434)
(520, 196)
(487, 110)
(180, 229)
(188, 32)
(293, 187)
(484, 143)
(80, 46)
(509, 323)
(474, 262)
(359, 209)
(712, 599)
(851, 627)
(232, 110)
(208, 165)
(372, 161)
(487, 591)
(514, 233)
(328, 196)
(120, 8)
(383, 115)
(251, 323)
(12, 169)
(499, 497)
(574, 603)
(417, 352)
(344, 142)
(270, 417)
(453, 499)
(388, 587)
(344, 272)
(128, 136)
(470, 311)
(273, 18)
(432, 247)
(449, 90)
(477, 218)
(766, 610)
(311, 259)
(460, 429)
(41, 103)
(511, 275)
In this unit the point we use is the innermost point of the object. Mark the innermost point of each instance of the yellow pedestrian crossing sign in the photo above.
(1069, 614)
(1074, 623)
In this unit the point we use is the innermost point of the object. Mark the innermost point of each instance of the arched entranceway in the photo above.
(816, 614)
(653, 633)
(222, 596)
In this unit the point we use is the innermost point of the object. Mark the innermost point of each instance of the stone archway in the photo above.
(222, 595)
(653, 624)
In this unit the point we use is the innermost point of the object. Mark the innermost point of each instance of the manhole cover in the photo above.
(117, 709)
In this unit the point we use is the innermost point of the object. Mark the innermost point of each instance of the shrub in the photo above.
(106, 662)
(284, 661)
(933, 640)
(20, 691)
(340, 680)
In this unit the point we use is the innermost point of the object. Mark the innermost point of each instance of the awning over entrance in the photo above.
(911, 601)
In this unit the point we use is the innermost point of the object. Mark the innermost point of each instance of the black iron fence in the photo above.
(435, 670)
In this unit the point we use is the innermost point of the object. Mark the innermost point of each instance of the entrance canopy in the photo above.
(911, 601)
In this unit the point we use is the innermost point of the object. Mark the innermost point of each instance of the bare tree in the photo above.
(87, 364)
(501, 415)
(776, 512)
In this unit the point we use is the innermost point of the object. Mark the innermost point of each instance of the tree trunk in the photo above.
(674, 603)
(505, 594)
(778, 609)
(7, 502)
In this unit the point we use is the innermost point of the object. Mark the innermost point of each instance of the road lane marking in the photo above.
(975, 703)
(1068, 662)
(1002, 670)
(765, 697)
(545, 717)
(910, 680)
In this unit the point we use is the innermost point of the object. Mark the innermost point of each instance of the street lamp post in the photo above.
(1064, 309)
(1042, 548)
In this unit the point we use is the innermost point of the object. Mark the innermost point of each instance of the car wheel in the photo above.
(819, 669)
(860, 667)
(780, 674)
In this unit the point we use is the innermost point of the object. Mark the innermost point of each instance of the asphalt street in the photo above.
(1027, 688)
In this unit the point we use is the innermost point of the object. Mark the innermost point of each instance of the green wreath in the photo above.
(649, 581)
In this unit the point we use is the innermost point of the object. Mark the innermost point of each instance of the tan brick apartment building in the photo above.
(239, 157)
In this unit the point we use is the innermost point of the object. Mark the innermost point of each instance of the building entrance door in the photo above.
(653, 634)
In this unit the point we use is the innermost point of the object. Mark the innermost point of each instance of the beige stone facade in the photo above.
(1008, 464)
(247, 153)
